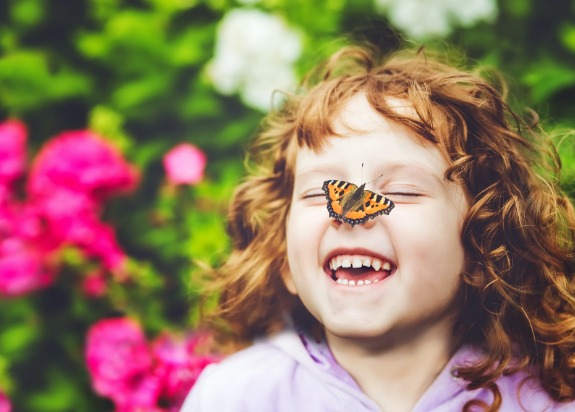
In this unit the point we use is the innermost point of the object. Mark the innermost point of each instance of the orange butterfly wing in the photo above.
(373, 204)
(335, 190)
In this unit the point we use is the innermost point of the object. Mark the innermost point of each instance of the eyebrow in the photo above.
(388, 169)
(317, 170)
(414, 169)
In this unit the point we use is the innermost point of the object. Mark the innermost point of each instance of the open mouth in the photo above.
(358, 270)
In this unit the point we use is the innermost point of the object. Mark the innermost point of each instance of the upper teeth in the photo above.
(337, 262)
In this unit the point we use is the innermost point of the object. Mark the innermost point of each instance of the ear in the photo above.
(288, 279)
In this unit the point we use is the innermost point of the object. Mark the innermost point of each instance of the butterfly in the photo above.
(353, 204)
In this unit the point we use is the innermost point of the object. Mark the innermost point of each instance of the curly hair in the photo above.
(517, 290)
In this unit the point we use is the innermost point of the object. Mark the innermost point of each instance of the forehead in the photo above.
(366, 139)
(357, 114)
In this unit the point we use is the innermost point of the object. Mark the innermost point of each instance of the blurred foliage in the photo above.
(135, 71)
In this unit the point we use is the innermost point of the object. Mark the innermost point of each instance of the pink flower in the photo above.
(71, 218)
(138, 377)
(98, 240)
(70, 178)
(178, 366)
(22, 268)
(63, 213)
(64, 203)
(12, 151)
(119, 363)
(5, 405)
(83, 162)
(94, 284)
(5, 194)
(184, 164)
(25, 258)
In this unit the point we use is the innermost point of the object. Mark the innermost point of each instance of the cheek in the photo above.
(431, 245)
(296, 242)
(431, 262)
(303, 234)
(291, 255)
(304, 225)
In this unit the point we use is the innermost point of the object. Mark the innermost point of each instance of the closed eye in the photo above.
(311, 195)
(403, 194)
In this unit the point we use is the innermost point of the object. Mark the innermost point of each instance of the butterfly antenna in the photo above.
(368, 183)
(374, 179)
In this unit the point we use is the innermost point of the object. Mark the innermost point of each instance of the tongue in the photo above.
(363, 273)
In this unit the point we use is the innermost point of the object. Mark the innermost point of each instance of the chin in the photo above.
(362, 332)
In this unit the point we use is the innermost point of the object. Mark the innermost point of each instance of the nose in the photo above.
(336, 223)
(369, 223)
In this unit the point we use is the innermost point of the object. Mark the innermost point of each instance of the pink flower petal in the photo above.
(71, 218)
(81, 161)
(120, 364)
(13, 135)
(178, 365)
(185, 164)
(94, 284)
(25, 256)
(22, 269)
(5, 405)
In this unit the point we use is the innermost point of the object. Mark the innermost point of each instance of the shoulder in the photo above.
(522, 391)
(253, 358)
(240, 379)
(279, 374)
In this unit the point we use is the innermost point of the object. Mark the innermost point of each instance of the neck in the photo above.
(394, 372)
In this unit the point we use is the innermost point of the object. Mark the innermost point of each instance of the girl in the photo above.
(460, 296)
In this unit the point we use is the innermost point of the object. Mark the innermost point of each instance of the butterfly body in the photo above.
(352, 204)
(352, 200)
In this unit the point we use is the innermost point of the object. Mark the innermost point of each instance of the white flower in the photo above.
(430, 18)
(254, 55)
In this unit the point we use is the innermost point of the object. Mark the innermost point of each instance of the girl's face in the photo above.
(416, 248)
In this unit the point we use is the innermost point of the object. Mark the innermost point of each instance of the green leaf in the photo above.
(6, 383)
(27, 12)
(195, 45)
(137, 92)
(61, 394)
(517, 8)
(110, 124)
(27, 81)
(548, 77)
(567, 34)
(172, 6)
(92, 45)
(208, 240)
(103, 9)
(15, 338)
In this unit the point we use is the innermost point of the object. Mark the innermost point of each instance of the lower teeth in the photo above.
(354, 283)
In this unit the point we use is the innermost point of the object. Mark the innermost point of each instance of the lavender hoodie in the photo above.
(290, 372)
